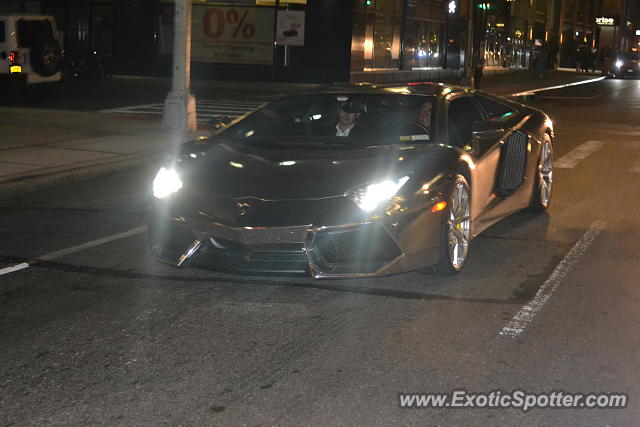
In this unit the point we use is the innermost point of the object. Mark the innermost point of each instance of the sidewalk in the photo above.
(41, 148)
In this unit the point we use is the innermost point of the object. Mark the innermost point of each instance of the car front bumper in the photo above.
(381, 246)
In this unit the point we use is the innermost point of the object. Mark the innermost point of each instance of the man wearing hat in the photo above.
(348, 115)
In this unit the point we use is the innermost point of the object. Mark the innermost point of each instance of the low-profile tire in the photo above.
(541, 191)
(456, 229)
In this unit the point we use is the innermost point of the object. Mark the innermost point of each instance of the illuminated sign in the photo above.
(606, 21)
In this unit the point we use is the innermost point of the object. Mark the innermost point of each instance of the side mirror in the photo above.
(484, 134)
(218, 122)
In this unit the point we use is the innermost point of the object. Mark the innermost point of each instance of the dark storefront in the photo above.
(319, 40)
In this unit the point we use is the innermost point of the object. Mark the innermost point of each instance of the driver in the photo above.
(348, 116)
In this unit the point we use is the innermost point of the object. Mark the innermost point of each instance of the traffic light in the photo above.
(484, 6)
(453, 7)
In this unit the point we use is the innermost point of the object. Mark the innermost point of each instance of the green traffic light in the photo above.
(369, 2)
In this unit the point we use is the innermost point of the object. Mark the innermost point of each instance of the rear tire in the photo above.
(456, 229)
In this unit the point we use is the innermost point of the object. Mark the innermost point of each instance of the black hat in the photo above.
(353, 107)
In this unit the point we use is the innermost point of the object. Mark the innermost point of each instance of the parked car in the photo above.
(424, 169)
(30, 51)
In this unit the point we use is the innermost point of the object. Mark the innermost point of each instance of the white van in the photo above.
(30, 49)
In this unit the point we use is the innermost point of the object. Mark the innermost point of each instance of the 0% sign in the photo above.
(227, 23)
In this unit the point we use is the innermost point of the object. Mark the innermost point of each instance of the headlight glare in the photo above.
(618, 64)
(369, 197)
(166, 182)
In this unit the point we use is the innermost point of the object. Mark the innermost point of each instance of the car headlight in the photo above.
(618, 64)
(369, 197)
(166, 182)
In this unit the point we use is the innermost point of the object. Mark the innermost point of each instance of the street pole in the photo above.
(468, 54)
(180, 106)
(276, 8)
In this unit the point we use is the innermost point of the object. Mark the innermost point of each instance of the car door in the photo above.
(463, 115)
(515, 148)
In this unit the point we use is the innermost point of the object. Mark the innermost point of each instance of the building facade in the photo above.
(340, 40)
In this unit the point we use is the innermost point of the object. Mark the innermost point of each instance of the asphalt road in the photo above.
(106, 335)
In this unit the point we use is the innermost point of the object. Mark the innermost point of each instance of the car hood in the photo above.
(235, 171)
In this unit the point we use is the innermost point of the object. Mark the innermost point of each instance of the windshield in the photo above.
(338, 120)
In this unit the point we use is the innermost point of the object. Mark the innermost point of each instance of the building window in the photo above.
(382, 33)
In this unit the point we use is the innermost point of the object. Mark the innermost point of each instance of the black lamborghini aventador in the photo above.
(353, 182)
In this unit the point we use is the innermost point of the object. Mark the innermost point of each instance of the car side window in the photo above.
(463, 113)
(493, 108)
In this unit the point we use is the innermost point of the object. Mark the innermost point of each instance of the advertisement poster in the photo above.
(239, 35)
(290, 28)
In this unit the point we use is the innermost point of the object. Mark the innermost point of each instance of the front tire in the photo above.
(541, 192)
(456, 229)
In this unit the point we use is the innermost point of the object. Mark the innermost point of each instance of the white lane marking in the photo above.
(542, 89)
(13, 268)
(526, 314)
(573, 157)
(91, 244)
(74, 249)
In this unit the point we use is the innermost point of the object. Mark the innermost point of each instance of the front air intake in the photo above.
(513, 163)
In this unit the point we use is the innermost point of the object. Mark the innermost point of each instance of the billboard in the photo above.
(232, 34)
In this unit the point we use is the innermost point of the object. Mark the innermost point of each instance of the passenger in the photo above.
(423, 125)
(424, 116)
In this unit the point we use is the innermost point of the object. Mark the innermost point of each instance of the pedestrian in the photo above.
(477, 72)
(585, 58)
(594, 59)
(541, 65)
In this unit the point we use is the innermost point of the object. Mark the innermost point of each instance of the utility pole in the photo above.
(180, 106)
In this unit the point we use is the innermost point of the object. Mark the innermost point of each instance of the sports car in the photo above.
(352, 182)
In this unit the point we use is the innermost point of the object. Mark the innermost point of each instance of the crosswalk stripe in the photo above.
(205, 109)
(573, 157)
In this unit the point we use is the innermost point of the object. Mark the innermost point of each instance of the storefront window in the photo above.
(383, 41)
(382, 34)
(423, 34)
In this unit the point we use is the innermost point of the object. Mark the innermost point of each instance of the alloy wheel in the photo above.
(545, 171)
(459, 223)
